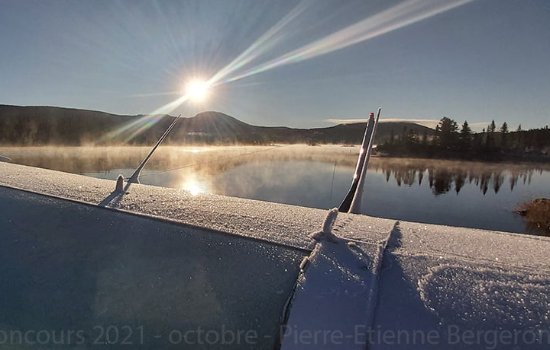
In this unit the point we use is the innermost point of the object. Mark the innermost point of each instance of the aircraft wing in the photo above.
(158, 268)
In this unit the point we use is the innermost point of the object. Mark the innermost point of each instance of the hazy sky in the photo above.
(304, 62)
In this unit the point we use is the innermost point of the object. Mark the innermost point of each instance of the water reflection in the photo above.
(471, 194)
(194, 185)
(443, 176)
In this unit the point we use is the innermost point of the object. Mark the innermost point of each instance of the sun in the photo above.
(197, 90)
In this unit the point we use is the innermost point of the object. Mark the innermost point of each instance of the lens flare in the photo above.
(197, 90)
(265, 42)
(134, 128)
(402, 15)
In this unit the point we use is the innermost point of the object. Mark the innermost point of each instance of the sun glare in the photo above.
(197, 90)
(193, 186)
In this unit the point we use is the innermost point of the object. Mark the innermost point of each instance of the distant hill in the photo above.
(65, 126)
(353, 133)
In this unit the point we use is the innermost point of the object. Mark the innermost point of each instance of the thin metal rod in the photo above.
(135, 176)
(332, 182)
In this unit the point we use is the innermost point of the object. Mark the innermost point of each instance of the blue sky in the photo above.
(477, 61)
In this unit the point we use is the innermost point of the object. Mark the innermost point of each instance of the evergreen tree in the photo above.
(504, 136)
(447, 138)
(504, 128)
(490, 143)
(492, 127)
(465, 136)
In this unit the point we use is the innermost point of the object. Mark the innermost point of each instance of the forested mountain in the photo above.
(64, 126)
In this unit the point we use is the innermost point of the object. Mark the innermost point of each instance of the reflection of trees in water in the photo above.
(443, 176)
(442, 181)
(485, 180)
(460, 180)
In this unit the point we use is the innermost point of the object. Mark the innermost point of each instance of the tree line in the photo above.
(451, 141)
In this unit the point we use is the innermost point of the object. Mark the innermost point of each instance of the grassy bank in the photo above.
(537, 213)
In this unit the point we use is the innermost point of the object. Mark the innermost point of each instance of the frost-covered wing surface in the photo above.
(374, 284)
(471, 288)
(78, 267)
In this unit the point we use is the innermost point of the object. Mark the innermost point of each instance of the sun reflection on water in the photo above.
(193, 186)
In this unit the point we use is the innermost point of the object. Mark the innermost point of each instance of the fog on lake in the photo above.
(456, 193)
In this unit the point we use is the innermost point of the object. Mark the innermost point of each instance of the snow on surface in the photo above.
(326, 232)
(335, 294)
(453, 300)
(492, 247)
(420, 278)
(483, 297)
(362, 228)
(447, 281)
(279, 223)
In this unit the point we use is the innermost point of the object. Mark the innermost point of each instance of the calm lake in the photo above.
(469, 194)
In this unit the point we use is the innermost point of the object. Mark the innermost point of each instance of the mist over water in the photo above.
(470, 194)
